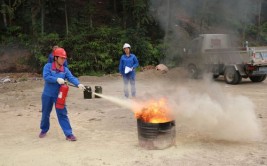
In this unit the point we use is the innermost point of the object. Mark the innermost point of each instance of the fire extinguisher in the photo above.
(62, 96)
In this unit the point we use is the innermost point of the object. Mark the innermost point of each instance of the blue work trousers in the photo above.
(126, 80)
(47, 105)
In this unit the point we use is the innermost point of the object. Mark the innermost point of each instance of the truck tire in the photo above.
(257, 78)
(263, 78)
(193, 71)
(231, 76)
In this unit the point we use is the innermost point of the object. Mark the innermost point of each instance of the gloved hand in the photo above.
(81, 86)
(60, 80)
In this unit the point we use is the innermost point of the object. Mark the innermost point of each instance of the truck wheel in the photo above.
(239, 78)
(257, 78)
(231, 76)
(264, 77)
(192, 71)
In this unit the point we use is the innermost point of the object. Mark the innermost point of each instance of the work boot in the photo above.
(42, 134)
(71, 138)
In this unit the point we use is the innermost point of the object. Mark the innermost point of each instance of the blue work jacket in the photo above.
(50, 75)
(130, 61)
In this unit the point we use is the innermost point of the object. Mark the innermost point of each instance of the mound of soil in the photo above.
(14, 59)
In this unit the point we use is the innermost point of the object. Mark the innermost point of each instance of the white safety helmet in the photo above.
(126, 45)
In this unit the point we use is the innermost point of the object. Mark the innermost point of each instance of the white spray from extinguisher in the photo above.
(130, 104)
(121, 102)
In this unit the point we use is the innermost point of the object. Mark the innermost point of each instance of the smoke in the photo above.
(232, 121)
(211, 112)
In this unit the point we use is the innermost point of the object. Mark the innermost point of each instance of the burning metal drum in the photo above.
(156, 135)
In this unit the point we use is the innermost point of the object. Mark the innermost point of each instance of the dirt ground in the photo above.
(216, 124)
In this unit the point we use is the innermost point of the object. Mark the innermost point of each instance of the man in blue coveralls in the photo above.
(54, 75)
(128, 64)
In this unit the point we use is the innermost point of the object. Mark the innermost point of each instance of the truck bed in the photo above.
(226, 56)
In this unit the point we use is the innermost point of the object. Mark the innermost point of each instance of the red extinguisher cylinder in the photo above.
(62, 96)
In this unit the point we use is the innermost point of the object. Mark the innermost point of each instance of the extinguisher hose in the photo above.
(70, 84)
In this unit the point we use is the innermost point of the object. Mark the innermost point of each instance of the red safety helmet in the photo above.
(60, 52)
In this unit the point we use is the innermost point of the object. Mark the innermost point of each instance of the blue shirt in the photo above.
(51, 60)
(50, 75)
(129, 61)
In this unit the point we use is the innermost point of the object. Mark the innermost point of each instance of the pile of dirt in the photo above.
(14, 59)
(172, 74)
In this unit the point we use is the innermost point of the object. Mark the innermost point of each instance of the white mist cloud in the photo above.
(204, 108)
(216, 114)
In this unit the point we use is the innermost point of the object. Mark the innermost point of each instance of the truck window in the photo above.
(215, 43)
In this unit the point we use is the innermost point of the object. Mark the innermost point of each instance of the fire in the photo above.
(154, 112)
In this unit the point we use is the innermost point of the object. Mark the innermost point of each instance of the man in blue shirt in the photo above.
(51, 57)
(54, 75)
(128, 64)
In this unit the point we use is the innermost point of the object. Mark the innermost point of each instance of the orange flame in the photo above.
(154, 112)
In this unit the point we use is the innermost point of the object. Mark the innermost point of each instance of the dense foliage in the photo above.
(93, 31)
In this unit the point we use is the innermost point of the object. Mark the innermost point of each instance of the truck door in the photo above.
(195, 48)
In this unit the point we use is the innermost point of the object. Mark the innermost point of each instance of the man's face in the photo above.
(61, 60)
(127, 50)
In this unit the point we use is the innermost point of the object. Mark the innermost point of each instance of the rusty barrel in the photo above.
(156, 135)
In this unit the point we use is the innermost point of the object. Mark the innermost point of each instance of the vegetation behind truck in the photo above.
(215, 54)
